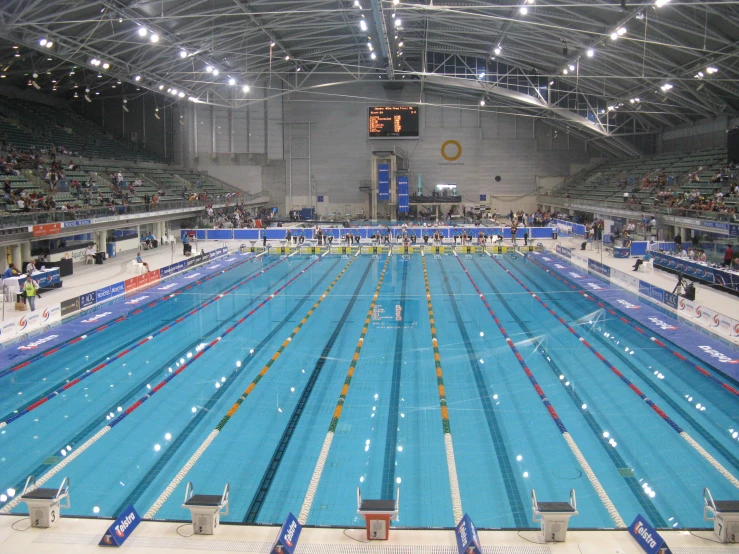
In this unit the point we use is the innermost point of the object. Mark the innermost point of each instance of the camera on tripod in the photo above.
(686, 286)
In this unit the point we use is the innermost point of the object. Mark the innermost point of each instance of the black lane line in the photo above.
(496, 434)
(631, 481)
(274, 464)
(192, 425)
(391, 436)
(128, 345)
(41, 468)
(702, 431)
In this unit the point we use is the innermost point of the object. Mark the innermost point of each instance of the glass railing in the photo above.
(641, 208)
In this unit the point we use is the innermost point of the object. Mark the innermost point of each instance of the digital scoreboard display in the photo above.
(393, 122)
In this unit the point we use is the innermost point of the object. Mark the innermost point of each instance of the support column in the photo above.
(100, 239)
(26, 251)
(16, 258)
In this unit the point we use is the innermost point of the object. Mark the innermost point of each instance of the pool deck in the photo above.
(81, 536)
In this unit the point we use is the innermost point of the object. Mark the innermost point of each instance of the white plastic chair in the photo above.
(137, 267)
(164, 240)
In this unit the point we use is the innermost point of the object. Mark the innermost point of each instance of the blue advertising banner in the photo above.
(599, 268)
(403, 194)
(287, 539)
(118, 289)
(383, 181)
(645, 288)
(467, 540)
(733, 230)
(658, 294)
(78, 223)
(483, 197)
(87, 299)
(102, 294)
(715, 225)
(122, 528)
(319, 198)
(647, 537)
(562, 251)
(671, 300)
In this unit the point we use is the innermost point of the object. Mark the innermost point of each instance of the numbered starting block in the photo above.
(437, 256)
(377, 515)
(553, 516)
(724, 514)
(44, 505)
(206, 509)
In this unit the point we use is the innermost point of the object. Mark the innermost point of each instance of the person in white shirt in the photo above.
(90, 253)
(30, 268)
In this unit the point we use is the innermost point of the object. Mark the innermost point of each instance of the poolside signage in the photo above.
(647, 537)
(467, 540)
(122, 528)
(287, 539)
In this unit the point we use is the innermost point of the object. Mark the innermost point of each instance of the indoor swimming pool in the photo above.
(464, 381)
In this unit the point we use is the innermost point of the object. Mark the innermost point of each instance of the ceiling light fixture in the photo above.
(154, 38)
(373, 56)
(183, 54)
(398, 22)
(497, 50)
(216, 72)
(232, 81)
(43, 42)
(245, 88)
(137, 78)
(143, 32)
(590, 53)
(711, 70)
(524, 10)
(621, 31)
(614, 35)
(363, 24)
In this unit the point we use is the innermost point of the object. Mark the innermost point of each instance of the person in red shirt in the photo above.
(728, 255)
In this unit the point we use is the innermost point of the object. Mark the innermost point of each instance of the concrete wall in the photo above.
(494, 143)
(706, 133)
(314, 143)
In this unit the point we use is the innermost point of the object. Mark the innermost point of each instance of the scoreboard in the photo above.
(393, 122)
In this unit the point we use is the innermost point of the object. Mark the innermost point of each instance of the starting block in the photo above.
(206, 509)
(44, 505)
(377, 515)
(724, 514)
(553, 516)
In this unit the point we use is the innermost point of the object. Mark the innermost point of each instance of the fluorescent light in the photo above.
(143, 32)
(481, 75)
(660, 3)
(363, 24)
(590, 52)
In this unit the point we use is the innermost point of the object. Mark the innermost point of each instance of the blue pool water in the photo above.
(390, 432)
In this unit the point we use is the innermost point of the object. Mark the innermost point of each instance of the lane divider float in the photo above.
(600, 491)
(448, 445)
(674, 426)
(92, 440)
(326, 447)
(111, 359)
(636, 327)
(152, 511)
(100, 328)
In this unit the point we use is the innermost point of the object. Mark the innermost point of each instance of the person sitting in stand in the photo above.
(142, 262)
(90, 254)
